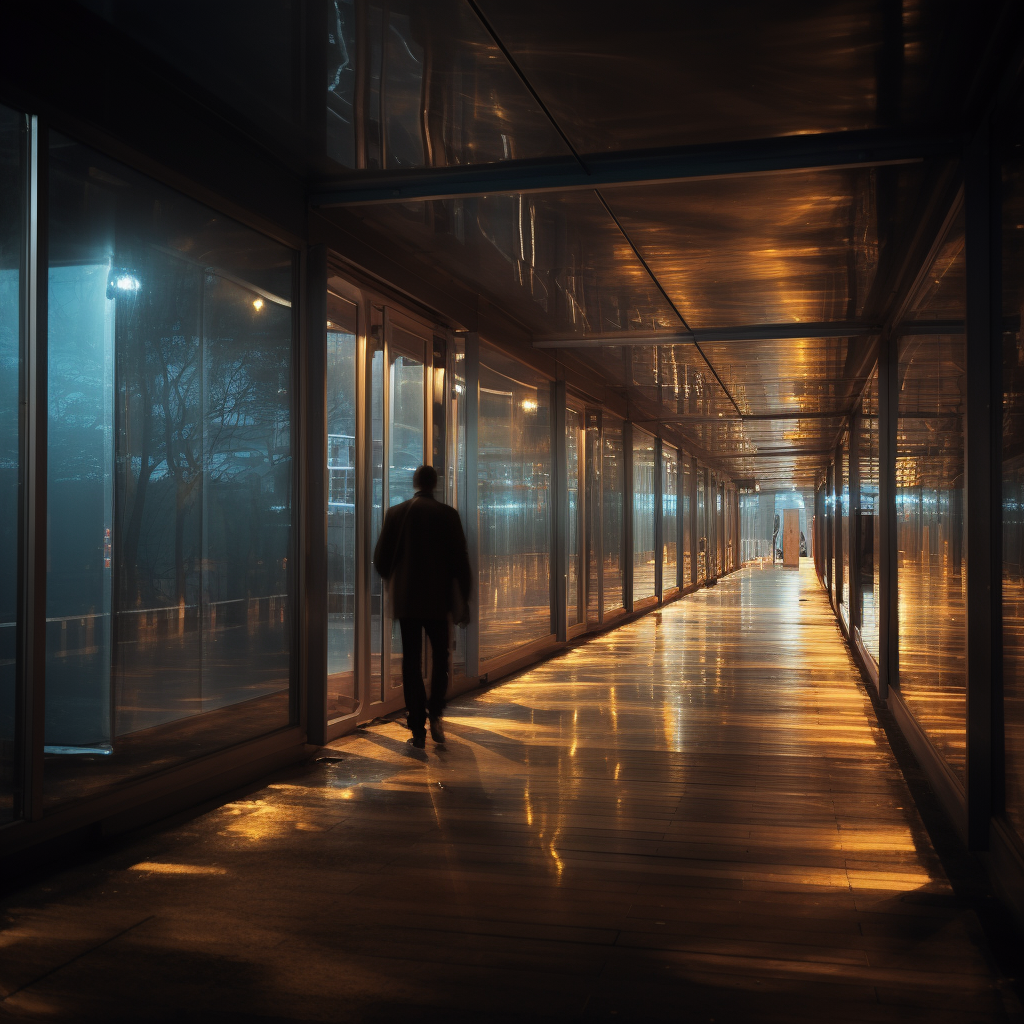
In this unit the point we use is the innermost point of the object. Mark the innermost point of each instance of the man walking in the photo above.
(422, 554)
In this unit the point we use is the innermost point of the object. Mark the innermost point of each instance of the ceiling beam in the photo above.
(748, 417)
(746, 332)
(826, 150)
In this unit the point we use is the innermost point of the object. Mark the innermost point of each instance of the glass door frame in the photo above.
(383, 695)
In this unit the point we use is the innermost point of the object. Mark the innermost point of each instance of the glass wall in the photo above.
(1013, 488)
(514, 506)
(169, 498)
(341, 506)
(669, 517)
(867, 526)
(643, 515)
(685, 513)
(613, 486)
(929, 509)
(11, 190)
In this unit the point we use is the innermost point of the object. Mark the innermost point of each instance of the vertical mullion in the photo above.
(628, 499)
(599, 516)
(983, 451)
(31, 666)
(659, 526)
(854, 531)
(311, 429)
(560, 508)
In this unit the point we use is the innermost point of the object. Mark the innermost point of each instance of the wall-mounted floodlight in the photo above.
(257, 304)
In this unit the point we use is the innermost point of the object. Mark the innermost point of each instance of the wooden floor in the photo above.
(695, 817)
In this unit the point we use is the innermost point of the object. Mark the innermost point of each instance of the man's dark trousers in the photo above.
(412, 675)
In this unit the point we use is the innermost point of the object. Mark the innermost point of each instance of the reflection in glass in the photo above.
(702, 527)
(643, 515)
(11, 189)
(930, 511)
(169, 478)
(437, 90)
(669, 520)
(341, 506)
(867, 537)
(612, 521)
(574, 540)
(514, 511)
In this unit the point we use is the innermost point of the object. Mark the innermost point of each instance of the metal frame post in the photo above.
(31, 642)
(628, 499)
(659, 525)
(983, 480)
(312, 480)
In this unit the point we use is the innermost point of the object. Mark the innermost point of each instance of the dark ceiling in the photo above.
(713, 208)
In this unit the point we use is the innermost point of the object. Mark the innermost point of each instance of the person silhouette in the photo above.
(421, 553)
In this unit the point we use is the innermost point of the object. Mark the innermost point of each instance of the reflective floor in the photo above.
(695, 817)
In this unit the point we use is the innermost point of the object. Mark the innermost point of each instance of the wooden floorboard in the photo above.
(695, 817)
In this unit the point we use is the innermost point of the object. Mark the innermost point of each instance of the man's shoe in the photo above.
(436, 730)
(419, 738)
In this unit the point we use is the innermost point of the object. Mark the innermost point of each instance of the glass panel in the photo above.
(930, 511)
(844, 526)
(593, 512)
(341, 506)
(669, 520)
(702, 529)
(612, 522)
(170, 478)
(687, 566)
(574, 540)
(11, 241)
(868, 520)
(514, 512)
(1013, 485)
(406, 436)
(643, 515)
(376, 349)
(458, 491)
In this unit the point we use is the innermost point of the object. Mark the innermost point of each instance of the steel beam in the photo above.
(744, 332)
(826, 150)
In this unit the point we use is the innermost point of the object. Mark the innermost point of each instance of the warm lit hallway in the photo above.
(694, 817)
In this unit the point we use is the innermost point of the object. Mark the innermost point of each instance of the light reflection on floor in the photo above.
(693, 817)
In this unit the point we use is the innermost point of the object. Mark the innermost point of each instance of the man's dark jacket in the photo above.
(422, 552)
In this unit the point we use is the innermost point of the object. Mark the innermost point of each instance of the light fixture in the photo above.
(257, 304)
(529, 405)
(127, 283)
